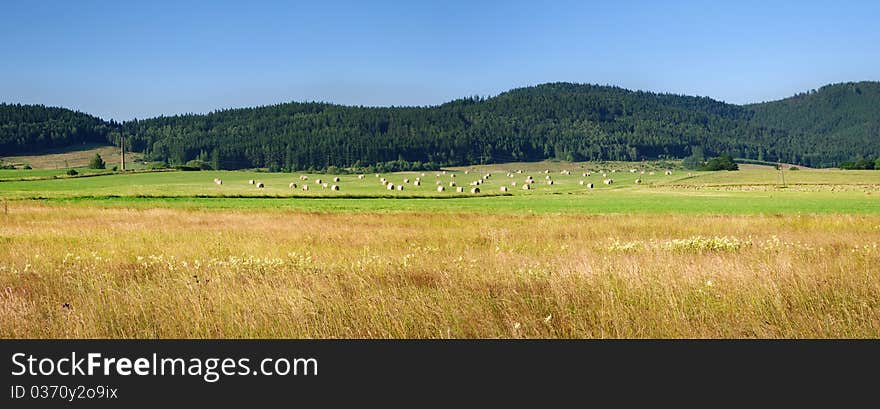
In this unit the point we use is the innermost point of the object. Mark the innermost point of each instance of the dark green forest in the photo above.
(565, 121)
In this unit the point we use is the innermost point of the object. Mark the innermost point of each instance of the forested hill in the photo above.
(565, 121)
(558, 120)
(31, 128)
(846, 116)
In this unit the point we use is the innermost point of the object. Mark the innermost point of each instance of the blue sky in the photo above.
(142, 59)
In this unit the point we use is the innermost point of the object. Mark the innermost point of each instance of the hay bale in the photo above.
(503, 189)
(360, 176)
(550, 182)
(334, 187)
(638, 181)
(438, 183)
(527, 186)
(547, 177)
(475, 190)
(451, 184)
(440, 188)
(459, 189)
(390, 186)
(668, 173)
(589, 185)
(293, 185)
(406, 181)
(418, 183)
(251, 182)
(318, 181)
(452, 175)
(336, 179)
(399, 187)
(260, 185)
(304, 177)
(383, 180)
(608, 181)
(305, 187)
(325, 185)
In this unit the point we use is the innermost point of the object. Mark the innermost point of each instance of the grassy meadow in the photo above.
(174, 255)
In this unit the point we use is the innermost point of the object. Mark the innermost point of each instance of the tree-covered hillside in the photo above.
(560, 120)
(557, 120)
(30, 128)
(836, 118)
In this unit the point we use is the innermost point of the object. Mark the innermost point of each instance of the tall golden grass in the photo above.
(79, 272)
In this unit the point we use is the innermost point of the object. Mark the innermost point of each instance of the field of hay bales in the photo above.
(149, 256)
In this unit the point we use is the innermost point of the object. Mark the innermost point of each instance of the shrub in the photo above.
(723, 162)
(198, 165)
(97, 162)
(27, 167)
(72, 172)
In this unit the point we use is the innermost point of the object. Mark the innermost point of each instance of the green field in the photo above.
(749, 191)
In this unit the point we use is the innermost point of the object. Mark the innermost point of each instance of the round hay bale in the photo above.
(475, 190)
(360, 176)
(399, 187)
(550, 182)
(318, 181)
(336, 179)
(638, 181)
(451, 184)
(503, 188)
(260, 185)
(334, 187)
(581, 182)
(440, 188)
(406, 181)
(527, 186)
(325, 185)
(418, 183)
(293, 185)
(251, 182)
(390, 186)
(589, 185)
(305, 187)
(459, 189)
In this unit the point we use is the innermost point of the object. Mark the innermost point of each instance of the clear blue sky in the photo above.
(119, 59)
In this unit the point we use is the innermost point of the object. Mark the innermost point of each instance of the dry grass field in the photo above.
(92, 272)
(76, 157)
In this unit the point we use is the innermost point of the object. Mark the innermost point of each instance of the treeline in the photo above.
(551, 121)
(31, 128)
(841, 122)
(561, 120)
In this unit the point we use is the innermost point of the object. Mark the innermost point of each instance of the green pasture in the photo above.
(854, 192)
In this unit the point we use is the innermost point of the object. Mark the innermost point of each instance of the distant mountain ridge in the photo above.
(555, 120)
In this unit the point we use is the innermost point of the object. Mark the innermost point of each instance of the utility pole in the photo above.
(782, 173)
(122, 152)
